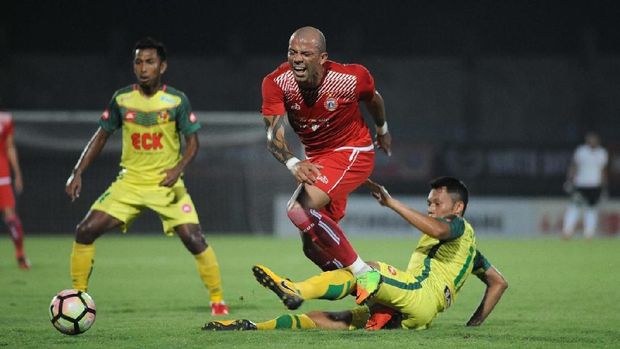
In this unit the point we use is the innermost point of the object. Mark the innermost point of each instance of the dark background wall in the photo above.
(496, 92)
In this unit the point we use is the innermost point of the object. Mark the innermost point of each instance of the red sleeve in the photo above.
(365, 83)
(273, 98)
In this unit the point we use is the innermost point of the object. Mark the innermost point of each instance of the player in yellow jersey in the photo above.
(445, 255)
(153, 118)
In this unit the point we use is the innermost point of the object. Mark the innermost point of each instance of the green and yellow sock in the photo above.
(82, 259)
(209, 271)
(332, 285)
(288, 321)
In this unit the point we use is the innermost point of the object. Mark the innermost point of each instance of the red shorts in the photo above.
(7, 199)
(343, 171)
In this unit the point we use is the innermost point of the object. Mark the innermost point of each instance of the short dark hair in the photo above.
(149, 42)
(455, 187)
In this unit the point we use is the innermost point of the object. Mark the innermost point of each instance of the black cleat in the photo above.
(230, 325)
(279, 286)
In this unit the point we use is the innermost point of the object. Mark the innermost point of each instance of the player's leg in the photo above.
(415, 301)
(590, 222)
(590, 217)
(316, 254)
(119, 205)
(178, 214)
(571, 216)
(206, 262)
(95, 224)
(329, 285)
(315, 319)
(323, 230)
(14, 224)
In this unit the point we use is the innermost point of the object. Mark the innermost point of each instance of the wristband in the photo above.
(290, 163)
(382, 130)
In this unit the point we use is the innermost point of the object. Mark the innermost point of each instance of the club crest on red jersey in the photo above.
(331, 104)
(105, 115)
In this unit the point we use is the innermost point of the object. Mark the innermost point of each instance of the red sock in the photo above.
(326, 234)
(317, 255)
(17, 235)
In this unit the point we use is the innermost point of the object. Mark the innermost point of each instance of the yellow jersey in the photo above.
(151, 128)
(445, 264)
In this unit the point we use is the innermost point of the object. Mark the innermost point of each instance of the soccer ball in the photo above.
(72, 311)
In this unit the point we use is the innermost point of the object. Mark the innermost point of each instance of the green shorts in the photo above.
(126, 201)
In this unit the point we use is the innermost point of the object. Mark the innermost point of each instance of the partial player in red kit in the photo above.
(321, 99)
(9, 161)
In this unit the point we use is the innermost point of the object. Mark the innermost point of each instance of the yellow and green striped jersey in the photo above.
(151, 128)
(445, 263)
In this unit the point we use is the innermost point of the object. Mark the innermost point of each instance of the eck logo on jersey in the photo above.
(106, 115)
(130, 116)
(147, 141)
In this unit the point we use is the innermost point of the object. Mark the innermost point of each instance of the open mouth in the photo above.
(299, 71)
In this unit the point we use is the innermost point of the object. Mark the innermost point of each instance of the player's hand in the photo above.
(172, 175)
(306, 172)
(74, 186)
(384, 142)
(378, 192)
(19, 185)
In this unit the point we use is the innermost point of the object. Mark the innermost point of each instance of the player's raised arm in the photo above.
(304, 171)
(496, 285)
(90, 152)
(376, 108)
(191, 149)
(426, 224)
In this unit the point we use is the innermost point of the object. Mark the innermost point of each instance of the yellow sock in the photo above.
(288, 321)
(335, 284)
(82, 259)
(209, 271)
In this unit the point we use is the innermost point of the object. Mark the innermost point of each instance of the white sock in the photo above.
(590, 221)
(359, 267)
(570, 220)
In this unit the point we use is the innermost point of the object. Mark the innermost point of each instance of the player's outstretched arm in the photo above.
(304, 171)
(376, 108)
(496, 285)
(427, 225)
(90, 152)
(191, 149)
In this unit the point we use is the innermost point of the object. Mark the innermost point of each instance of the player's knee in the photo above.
(298, 216)
(85, 233)
(194, 241)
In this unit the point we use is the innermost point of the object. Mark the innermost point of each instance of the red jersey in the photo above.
(6, 130)
(327, 117)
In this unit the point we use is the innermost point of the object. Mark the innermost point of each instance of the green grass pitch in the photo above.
(148, 295)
